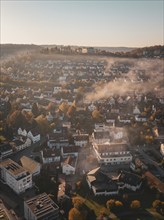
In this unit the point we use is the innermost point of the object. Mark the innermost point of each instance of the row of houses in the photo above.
(22, 140)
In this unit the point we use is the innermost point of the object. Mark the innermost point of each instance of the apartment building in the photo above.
(112, 153)
(41, 207)
(15, 176)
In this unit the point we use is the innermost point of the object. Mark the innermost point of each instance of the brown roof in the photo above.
(29, 164)
(70, 160)
(51, 152)
(154, 181)
(70, 149)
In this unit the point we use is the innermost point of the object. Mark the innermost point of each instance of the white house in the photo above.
(112, 153)
(140, 118)
(22, 132)
(21, 143)
(69, 151)
(34, 135)
(69, 165)
(15, 176)
(50, 155)
(124, 119)
(57, 140)
(81, 140)
(136, 111)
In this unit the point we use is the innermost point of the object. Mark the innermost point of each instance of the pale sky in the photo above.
(131, 23)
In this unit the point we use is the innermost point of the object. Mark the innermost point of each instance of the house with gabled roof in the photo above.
(50, 155)
(22, 132)
(112, 153)
(70, 150)
(101, 184)
(129, 181)
(57, 140)
(69, 165)
(81, 140)
(34, 135)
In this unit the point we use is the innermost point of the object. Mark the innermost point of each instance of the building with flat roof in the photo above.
(41, 207)
(15, 176)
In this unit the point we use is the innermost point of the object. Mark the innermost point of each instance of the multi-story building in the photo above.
(112, 153)
(101, 136)
(69, 165)
(50, 155)
(15, 176)
(81, 140)
(41, 207)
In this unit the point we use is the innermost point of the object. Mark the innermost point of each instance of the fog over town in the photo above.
(82, 126)
(81, 110)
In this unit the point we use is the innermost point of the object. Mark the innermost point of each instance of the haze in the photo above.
(83, 23)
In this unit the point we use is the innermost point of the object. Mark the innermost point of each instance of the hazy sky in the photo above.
(85, 23)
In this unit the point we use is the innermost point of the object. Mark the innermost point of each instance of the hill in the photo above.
(7, 50)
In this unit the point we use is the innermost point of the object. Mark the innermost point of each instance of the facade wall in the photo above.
(116, 160)
(18, 186)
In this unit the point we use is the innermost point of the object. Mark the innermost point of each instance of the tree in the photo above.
(17, 119)
(63, 107)
(35, 109)
(97, 116)
(75, 214)
(103, 214)
(118, 206)
(43, 124)
(8, 107)
(110, 203)
(135, 204)
(118, 203)
(76, 201)
(158, 206)
(51, 107)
